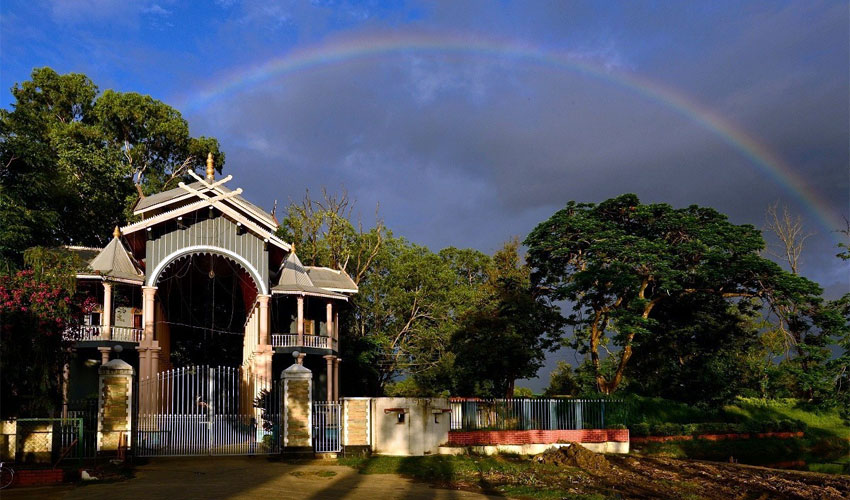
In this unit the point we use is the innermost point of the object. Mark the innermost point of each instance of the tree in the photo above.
(69, 159)
(324, 234)
(505, 337)
(563, 381)
(36, 308)
(617, 261)
(699, 350)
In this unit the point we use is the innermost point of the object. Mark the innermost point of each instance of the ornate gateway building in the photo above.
(203, 281)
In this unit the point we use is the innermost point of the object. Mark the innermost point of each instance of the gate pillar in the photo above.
(297, 410)
(115, 398)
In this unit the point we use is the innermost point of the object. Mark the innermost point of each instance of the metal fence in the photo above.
(535, 414)
(85, 409)
(327, 426)
(202, 410)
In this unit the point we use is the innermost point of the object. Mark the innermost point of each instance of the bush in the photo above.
(639, 429)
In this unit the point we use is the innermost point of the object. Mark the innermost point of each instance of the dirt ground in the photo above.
(655, 477)
(611, 476)
(243, 478)
(637, 477)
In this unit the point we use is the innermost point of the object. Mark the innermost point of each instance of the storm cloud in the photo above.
(468, 148)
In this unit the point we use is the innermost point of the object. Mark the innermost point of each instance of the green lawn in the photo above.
(824, 448)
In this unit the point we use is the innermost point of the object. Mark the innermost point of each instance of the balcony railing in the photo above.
(95, 332)
(291, 340)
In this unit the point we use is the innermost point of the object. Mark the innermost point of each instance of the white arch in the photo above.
(258, 280)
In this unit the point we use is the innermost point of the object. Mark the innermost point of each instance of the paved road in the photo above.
(244, 478)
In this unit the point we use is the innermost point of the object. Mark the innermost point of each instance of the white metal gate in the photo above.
(327, 424)
(202, 410)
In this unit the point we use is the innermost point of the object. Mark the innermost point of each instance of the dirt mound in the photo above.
(574, 455)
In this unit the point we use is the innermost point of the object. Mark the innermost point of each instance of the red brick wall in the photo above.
(475, 438)
(38, 477)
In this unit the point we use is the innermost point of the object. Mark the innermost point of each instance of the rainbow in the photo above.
(398, 43)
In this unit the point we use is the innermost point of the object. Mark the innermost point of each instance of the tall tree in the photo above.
(505, 337)
(69, 159)
(619, 260)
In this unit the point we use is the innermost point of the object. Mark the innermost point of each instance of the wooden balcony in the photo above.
(311, 341)
(95, 333)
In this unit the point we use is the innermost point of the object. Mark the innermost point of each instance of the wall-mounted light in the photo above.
(180, 222)
(240, 229)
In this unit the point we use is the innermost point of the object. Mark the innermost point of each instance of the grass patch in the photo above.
(825, 446)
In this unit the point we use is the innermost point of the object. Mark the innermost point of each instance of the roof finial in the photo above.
(116, 233)
(292, 246)
(210, 167)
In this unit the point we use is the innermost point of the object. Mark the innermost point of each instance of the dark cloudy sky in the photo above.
(470, 122)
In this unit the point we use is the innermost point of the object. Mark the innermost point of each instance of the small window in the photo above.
(400, 417)
(92, 319)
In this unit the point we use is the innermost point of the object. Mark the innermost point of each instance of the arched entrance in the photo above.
(212, 393)
(206, 300)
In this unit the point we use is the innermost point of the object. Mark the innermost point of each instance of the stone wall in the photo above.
(115, 406)
(356, 421)
(297, 408)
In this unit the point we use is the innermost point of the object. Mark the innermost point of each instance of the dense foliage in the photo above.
(36, 307)
(680, 303)
(458, 321)
(73, 161)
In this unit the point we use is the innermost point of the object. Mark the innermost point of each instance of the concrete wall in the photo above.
(421, 431)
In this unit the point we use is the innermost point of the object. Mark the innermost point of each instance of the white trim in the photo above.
(342, 290)
(140, 281)
(151, 281)
(137, 226)
(244, 206)
(311, 294)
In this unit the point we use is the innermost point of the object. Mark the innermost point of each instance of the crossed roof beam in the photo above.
(205, 201)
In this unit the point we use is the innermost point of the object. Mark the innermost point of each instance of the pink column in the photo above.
(329, 323)
(148, 317)
(263, 301)
(300, 321)
(330, 377)
(337, 361)
(106, 319)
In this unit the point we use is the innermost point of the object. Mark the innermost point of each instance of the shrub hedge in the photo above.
(672, 429)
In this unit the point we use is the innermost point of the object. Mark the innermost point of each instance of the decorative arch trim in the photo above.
(258, 280)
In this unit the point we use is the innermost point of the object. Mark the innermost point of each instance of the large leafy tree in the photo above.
(617, 261)
(505, 337)
(70, 158)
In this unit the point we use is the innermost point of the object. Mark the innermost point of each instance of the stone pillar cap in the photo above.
(297, 371)
(117, 364)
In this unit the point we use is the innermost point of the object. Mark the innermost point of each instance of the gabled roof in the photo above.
(165, 198)
(115, 261)
(331, 279)
(294, 279)
(207, 193)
